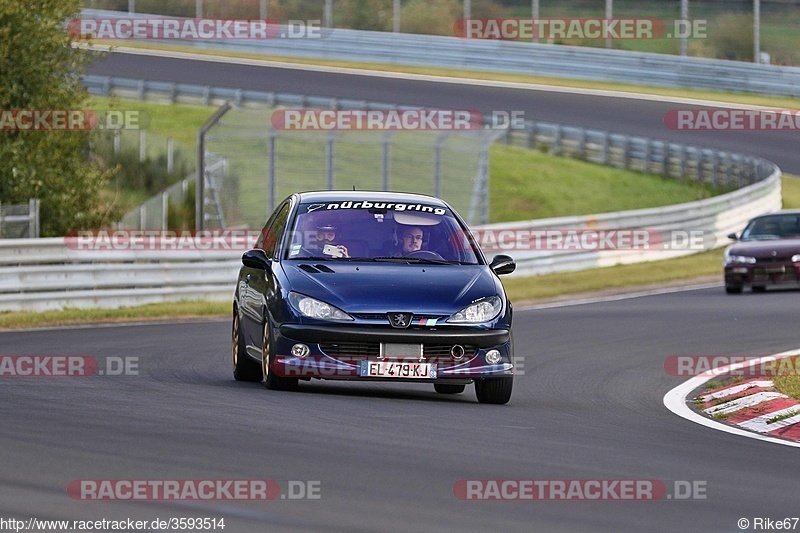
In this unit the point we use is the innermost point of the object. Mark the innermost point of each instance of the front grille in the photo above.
(358, 351)
(350, 350)
(383, 317)
(769, 260)
(443, 350)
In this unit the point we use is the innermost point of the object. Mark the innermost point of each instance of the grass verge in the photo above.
(789, 383)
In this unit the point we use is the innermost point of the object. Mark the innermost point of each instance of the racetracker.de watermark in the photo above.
(72, 119)
(164, 241)
(578, 490)
(67, 366)
(731, 365)
(582, 239)
(579, 28)
(733, 119)
(376, 119)
(183, 29)
(193, 489)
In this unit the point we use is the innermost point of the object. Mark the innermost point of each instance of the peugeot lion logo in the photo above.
(400, 320)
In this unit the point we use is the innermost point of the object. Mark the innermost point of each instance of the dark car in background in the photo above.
(766, 254)
(372, 286)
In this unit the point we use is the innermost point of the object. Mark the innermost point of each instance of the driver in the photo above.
(410, 238)
(325, 242)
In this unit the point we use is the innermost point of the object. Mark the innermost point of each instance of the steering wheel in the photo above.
(426, 254)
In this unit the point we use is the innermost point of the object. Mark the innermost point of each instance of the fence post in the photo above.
(142, 145)
(437, 164)
(386, 162)
(604, 156)
(1, 220)
(271, 159)
(170, 155)
(33, 211)
(329, 162)
(142, 216)
(200, 208)
(164, 210)
(117, 134)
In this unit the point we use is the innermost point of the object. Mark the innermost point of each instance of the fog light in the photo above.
(300, 350)
(457, 352)
(493, 357)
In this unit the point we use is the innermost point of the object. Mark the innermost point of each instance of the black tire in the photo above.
(272, 381)
(244, 368)
(442, 388)
(733, 289)
(496, 391)
(759, 288)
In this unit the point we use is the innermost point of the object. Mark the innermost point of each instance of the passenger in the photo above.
(326, 237)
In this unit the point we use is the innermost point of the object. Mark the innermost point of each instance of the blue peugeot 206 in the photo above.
(371, 286)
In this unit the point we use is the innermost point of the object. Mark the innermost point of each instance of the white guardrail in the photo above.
(41, 274)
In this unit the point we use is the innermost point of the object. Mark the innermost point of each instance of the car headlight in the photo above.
(740, 259)
(313, 308)
(482, 311)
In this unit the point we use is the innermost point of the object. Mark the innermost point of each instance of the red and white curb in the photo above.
(751, 408)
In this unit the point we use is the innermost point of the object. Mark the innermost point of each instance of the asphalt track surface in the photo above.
(619, 115)
(589, 406)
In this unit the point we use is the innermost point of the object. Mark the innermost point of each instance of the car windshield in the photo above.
(379, 231)
(773, 227)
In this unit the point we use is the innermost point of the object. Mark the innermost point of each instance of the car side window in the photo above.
(271, 235)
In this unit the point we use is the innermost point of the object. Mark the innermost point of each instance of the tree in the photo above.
(41, 71)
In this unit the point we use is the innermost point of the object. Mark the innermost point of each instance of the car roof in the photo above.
(781, 212)
(384, 196)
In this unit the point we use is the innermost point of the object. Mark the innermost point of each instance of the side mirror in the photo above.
(256, 258)
(733, 237)
(502, 264)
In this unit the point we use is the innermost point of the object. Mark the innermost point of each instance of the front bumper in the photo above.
(338, 352)
(783, 273)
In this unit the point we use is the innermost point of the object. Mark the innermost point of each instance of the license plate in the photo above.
(393, 369)
(411, 351)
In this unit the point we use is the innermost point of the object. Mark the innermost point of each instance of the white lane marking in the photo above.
(675, 400)
(616, 297)
(736, 390)
(742, 403)
(418, 77)
(761, 424)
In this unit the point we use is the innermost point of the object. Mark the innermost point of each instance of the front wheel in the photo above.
(244, 368)
(273, 381)
(496, 391)
(733, 289)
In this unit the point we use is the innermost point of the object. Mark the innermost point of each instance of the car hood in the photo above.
(766, 249)
(384, 287)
